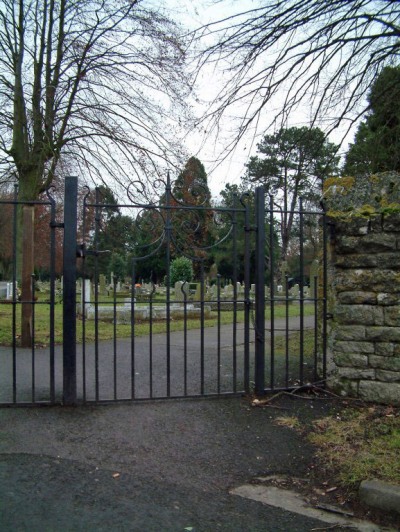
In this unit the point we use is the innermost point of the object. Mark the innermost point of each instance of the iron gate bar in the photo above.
(247, 302)
(96, 294)
(69, 291)
(53, 226)
(287, 331)
(14, 296)
(260, 293)
(234, 259)
(202, 325)
(301, 291)
(168, 231)
(151, 340)
(219, 332)
(133, 360)
(324, 290)
(114, 281)
(33, 336)
(185, 367)
(315, 283)
(272, 291)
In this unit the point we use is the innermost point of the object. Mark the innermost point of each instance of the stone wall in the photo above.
(364, 287)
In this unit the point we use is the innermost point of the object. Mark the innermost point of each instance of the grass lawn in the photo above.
(106, 329)
(360, 442)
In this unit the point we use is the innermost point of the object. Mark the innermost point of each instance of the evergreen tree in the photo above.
(376, 146)
(294, 163)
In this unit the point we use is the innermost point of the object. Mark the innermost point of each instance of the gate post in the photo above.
(260, 292)
(69, 290)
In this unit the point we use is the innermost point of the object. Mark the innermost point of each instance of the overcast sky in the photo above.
(209, 149)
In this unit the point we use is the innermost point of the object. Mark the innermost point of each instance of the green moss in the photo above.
(344, 184)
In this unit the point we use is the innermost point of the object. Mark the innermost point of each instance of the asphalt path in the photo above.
(155, 465)
(122, 369)
(149, 466)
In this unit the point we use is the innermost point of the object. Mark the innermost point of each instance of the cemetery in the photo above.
(185, 299)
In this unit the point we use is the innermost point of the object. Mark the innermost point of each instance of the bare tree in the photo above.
(322, 54)
(97, 83)
(91, 80)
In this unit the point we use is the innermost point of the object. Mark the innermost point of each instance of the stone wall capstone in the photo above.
(364, 287)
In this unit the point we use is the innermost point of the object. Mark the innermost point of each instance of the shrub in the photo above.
(181, 270)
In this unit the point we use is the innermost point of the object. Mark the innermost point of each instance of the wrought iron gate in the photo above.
(249, 328)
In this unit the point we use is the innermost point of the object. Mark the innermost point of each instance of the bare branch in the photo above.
(286, 54)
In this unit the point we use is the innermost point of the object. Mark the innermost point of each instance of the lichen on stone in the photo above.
(368, 196)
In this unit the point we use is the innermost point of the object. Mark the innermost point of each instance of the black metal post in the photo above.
(260, 292)
(69, 291)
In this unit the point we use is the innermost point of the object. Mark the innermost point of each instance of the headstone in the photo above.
(10, 290)
(213, 292)
(79, 286)
(118, 288)
(179, 294)
(87, 291)
(102, 285)
(295, 291)
(3, 289)
(213, 271)
(197, 295)
(228, 292)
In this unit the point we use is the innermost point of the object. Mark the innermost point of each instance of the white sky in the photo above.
(208, 149)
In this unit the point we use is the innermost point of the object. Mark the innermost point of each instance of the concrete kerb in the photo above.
(380, 495)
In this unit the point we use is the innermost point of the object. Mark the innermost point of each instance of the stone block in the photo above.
(368, 280)
(354, 347)
(355, 373)
(387, 376)
(356, 261)
(391, 222)
(383, 334)
(392, 316)
(384, 349)
(387, 363)
(350, 332)
(386, 299)
(369, 243)
(343, 386)
(380, 392)
(357, 298)
(353, 360)
(358, 315)
(351, 226)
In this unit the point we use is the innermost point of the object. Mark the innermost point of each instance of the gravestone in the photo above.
(102, 285)
(295, 291)
(228, 291)
(3, 289)
(179, 294)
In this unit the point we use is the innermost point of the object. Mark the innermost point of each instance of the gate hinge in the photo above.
(57, 225)
(81, 251)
